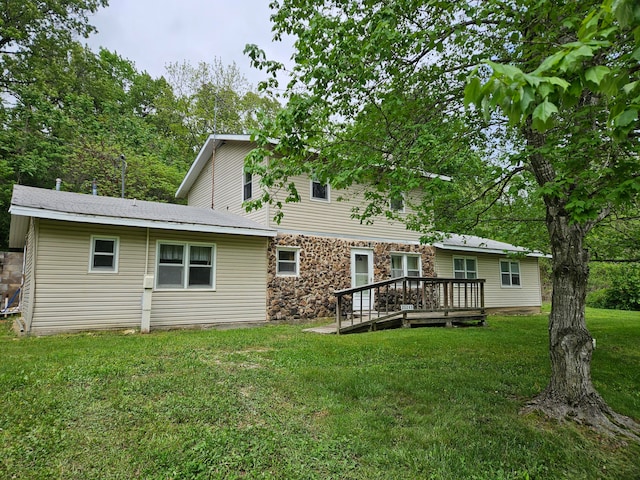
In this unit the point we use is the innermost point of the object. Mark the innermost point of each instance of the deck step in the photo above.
(401, 319)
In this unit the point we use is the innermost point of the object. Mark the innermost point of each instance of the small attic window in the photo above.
(319, 191)
(247, 186)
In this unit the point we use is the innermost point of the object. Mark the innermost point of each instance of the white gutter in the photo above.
(490, 250)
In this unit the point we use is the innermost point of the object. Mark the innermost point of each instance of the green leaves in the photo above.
(597, 74)
(542, 115)
(519, 95)
(592, 66)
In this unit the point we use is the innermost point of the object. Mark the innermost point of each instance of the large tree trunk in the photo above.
(570, 393)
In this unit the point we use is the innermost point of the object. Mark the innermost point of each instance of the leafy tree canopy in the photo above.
(531, 107)
(68, 112)
(213, 97)
(31, 31)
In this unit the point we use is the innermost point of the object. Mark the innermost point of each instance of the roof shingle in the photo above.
(43, 203)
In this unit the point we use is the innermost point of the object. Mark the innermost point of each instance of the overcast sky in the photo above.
(153, 33)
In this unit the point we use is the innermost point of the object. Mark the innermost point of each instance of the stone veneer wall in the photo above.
(10, 274)
(325, 266)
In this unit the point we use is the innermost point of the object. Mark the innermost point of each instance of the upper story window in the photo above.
(510, 273)
(247, 186)
(319, 191)
(396, 204)
(465, 267)
(185, 265)
(104, 254)
(287, 261)
(405, 265)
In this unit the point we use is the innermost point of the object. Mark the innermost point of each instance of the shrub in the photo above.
(624, 293)
(597, 298)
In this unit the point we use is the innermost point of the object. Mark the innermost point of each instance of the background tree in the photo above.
(212, 96)
(378, 89)
(31, 33)
(69, 112)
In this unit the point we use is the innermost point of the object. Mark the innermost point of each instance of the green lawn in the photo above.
(274, 402)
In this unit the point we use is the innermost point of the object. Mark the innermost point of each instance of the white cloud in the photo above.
(153, 33)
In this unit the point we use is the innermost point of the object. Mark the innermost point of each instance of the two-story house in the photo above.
(95, 262)
(320, 248)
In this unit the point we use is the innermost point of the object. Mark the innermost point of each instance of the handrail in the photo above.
(10, 302)
(402, 294)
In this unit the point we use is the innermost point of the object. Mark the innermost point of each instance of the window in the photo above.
(287, 261)
(510, 273)
(405, 265)
(104, 255)
(465, 267)
(247, 186)
(183, 265)
(396, 204)
(319, 191)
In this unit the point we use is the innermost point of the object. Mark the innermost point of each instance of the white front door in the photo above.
(362, 274)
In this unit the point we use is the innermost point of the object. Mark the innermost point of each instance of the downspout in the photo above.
(147, 293)
(146, 255)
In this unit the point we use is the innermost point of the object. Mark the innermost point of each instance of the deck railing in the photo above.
(417, 294)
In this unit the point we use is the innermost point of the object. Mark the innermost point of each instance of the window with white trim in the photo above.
(185, 265)
(247, 186)
(104, 254)
(319, 191)
(396, 204)
(405, 265)
(510, 273)
(287, 261)
(465, 267)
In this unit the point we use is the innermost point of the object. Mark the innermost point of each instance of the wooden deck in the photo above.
(408, 302)
(401, 320)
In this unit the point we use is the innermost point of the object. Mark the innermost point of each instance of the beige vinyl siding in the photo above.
(28, 287)
(334, 217)
(229, 168)
(240, 294)
(201, 191)
(527, 295)
(307, 216)
(69, 297)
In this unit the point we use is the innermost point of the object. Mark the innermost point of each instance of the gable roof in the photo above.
(78, 207)
(471, 243)
(212, 143)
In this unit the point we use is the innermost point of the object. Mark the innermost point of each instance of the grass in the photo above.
(275, 402)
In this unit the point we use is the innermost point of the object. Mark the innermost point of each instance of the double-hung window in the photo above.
(405, 265)
(396, 204)
(185, 265)
(247, 186)
(287, 261)
(510, 273)
(465, 267)
(104, 255)
(319, 191)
